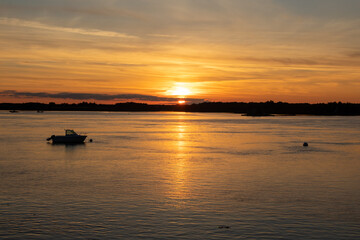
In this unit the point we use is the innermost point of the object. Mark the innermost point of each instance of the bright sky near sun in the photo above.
(158, 51)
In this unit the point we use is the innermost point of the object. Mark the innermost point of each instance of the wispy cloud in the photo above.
(92, 32)
(354, 54)
(300, 61)
(162, 35)
(96, 96)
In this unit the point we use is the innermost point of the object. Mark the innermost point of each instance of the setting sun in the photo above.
(179, 91)
(181, 102)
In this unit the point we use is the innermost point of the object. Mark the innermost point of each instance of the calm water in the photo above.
(179, 176)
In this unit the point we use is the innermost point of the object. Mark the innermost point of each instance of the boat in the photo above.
(71, 137)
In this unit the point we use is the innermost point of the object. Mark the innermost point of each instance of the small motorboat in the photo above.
(71, 137)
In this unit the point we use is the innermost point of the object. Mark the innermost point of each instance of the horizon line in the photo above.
(188, 104)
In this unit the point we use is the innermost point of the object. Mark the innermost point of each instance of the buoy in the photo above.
(90, 140)
(305, 144)
(223, 226)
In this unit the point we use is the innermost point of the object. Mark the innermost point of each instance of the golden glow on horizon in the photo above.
(181, 102)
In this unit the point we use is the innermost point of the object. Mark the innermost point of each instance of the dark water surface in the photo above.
(179, 176)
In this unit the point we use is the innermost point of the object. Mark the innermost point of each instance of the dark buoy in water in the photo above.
(90, 140)
(305, 144)
(223, 226)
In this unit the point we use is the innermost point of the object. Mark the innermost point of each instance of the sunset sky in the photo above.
(158, 51)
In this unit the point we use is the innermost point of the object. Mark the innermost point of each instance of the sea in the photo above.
(178, 175)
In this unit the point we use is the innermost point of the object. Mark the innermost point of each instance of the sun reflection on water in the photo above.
(179, 169)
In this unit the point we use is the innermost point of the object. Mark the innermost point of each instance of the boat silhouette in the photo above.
(70, 137)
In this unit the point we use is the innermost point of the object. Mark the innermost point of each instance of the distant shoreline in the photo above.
(249, 109)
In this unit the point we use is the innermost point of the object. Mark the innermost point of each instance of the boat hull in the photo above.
(69, 139)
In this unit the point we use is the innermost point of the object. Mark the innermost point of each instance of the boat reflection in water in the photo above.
(71, 137)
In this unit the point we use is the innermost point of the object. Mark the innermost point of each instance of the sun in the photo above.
(181, 102)
(179, 91)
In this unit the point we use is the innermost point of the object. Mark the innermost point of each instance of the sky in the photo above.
(158, 51)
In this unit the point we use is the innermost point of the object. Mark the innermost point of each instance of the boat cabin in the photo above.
(69, 132)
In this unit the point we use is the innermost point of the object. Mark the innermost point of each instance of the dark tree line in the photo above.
(250, 109)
